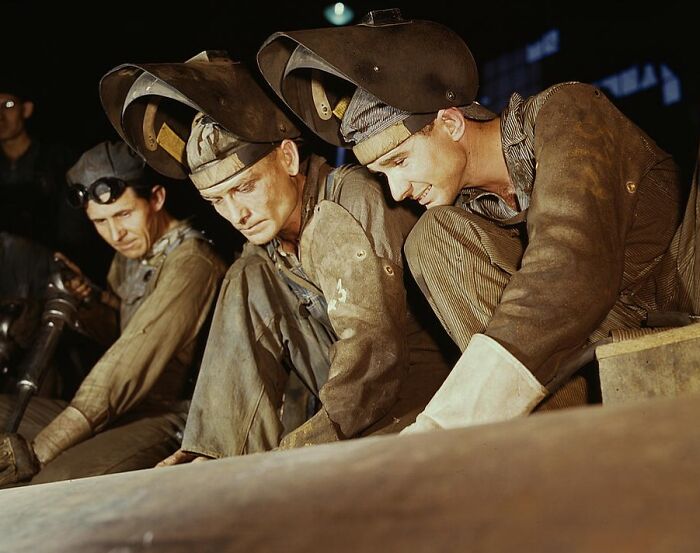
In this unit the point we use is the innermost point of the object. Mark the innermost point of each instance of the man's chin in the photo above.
(438, 202)
(132, 255)
(133, 252)
(259, 239)
(259, 236)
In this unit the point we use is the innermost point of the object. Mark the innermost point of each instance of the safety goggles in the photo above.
(103, 191)
(8, 104)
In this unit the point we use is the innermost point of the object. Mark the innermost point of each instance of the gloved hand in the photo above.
(488, 384)
(319, 429)
(17, 459)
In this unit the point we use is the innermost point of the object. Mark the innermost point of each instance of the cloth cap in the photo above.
(214, 155)
(107, 159)
(375, 128)
(366, 115)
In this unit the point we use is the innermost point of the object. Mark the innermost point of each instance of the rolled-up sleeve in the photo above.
(168, 320)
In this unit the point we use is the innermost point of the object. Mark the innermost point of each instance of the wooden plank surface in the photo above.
(664, 364)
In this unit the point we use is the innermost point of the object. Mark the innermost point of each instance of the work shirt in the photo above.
(165, 302)
(337, 310)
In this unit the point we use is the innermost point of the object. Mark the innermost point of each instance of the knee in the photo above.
(437, 232)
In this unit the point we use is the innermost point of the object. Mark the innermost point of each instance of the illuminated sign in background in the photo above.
(520, 70)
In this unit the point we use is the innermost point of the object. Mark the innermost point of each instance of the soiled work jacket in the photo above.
(602, 203)
(350, 250)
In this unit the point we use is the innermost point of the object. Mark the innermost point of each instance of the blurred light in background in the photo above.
(340, 156)
(338, 13)
(642, 77)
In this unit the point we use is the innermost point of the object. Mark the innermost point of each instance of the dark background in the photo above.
(62, 50)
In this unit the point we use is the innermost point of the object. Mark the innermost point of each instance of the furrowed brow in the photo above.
(390, 160)
(251, 180)
(220, 195)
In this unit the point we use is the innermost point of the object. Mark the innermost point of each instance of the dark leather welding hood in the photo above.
(152, 107)
(414, 67)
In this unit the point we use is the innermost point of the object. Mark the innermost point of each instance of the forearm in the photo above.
(365, 377)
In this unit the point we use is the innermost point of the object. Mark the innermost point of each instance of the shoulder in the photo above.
(569, 89)
(356, 182)
(193, 253)
(362, 193)
(570, 98)
(385, 222)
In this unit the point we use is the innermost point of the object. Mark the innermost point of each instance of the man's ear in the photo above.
(290, 156)
(157, 199)
(453, 122)
(27, 109)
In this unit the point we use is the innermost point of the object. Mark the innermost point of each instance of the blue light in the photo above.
(670, 86)
(338, 13)
(638, 78)
(340, 156)
(547, 45)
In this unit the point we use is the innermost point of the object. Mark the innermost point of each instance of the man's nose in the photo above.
(116, 231)
(400, 190)
(235, 213)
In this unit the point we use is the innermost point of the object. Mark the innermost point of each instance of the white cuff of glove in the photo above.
(487, 384)
(70, 427)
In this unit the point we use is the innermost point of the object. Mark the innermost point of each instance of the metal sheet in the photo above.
(593, 479)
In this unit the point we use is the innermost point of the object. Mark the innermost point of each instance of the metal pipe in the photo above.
(60, 309)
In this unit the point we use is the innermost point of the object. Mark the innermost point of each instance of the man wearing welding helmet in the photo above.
(319, 290)
(129, 411)
(549, 226)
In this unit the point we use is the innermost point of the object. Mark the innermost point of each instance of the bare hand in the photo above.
(181, 457)
(78, 285)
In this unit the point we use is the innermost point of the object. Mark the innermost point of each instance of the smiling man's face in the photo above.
(426, 167)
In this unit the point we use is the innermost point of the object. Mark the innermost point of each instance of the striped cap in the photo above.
(214, 155)
(375, 128)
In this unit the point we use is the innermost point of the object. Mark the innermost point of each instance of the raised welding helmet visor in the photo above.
(152, 107)
(417, 67)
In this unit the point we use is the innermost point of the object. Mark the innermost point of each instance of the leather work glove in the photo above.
(488, 384)
(17, 459)
(319, 429)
